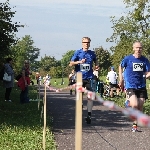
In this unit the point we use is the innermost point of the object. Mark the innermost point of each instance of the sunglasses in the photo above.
(85, 42)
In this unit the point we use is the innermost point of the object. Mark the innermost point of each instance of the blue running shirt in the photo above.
(135, 69)
(85, 68)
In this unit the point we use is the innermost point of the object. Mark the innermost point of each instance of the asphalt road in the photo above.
(109, 130)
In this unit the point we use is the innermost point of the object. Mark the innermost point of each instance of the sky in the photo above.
(57, 26)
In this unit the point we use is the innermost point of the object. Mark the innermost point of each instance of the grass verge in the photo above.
(21, 126)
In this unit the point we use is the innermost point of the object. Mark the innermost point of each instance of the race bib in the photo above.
(137, 66)
(84, 67)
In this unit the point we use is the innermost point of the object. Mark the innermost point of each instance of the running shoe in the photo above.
(134, 127)
(88, 119)
(127, 103)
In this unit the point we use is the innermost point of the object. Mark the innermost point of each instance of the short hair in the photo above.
(8, 59)
(137, 42)
(86, 38)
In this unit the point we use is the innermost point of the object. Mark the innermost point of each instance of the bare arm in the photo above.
(72, 63)
(147, 75)
(120, 73)
(121, 79)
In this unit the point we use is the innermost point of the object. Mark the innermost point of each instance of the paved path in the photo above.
(109, 130)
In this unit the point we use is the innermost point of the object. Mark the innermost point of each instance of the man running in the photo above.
(136, 67)
(83, 61)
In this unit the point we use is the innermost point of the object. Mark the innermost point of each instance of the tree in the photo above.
(25, 50)
(65, 62)
(135, 26)
(7, 29)
(67, 57)
(56, 72)
(47, 63)
(103, 57)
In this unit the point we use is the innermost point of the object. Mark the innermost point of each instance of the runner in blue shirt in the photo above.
(83, 61)
(136, 67)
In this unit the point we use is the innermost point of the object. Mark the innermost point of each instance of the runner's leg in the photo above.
(132, 97)
(89, 102)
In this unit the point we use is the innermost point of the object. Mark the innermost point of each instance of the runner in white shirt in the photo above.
(112, 77)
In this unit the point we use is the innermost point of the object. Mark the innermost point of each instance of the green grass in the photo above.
(21, 126)
(59, 81)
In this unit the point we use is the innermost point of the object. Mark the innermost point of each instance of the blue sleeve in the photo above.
(124, 63)
(147, 65)
(75, 56)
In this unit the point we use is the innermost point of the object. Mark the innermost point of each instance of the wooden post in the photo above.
(39, 95)
(78, 118)
(44, 127)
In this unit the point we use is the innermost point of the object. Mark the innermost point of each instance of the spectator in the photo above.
(8, 84)
(23, 83)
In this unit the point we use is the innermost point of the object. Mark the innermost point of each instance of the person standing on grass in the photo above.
(136, 70)
(8, 84)
(83, 60)
(23, 82)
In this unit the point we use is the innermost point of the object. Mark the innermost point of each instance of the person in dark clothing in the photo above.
(72, 80)
(8, 84)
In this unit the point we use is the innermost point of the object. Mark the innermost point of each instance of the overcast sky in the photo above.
(57, 26)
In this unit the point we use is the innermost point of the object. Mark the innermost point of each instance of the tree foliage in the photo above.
(47, 63)
(7, 29)
(25, 50)
(103, 57)
(135, 26)
(67, 57)
(65, 62)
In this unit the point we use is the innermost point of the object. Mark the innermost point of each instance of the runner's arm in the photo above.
(121, 79)
(72, 63)
(147, 73)
(120, 73)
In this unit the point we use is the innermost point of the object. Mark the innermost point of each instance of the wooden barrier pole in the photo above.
(39, 95)
(44, 127)
(78, 118)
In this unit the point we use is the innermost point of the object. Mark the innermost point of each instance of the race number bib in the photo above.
(84, 67)
(137, 66)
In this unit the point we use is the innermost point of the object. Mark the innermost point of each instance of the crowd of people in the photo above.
(23, 80)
